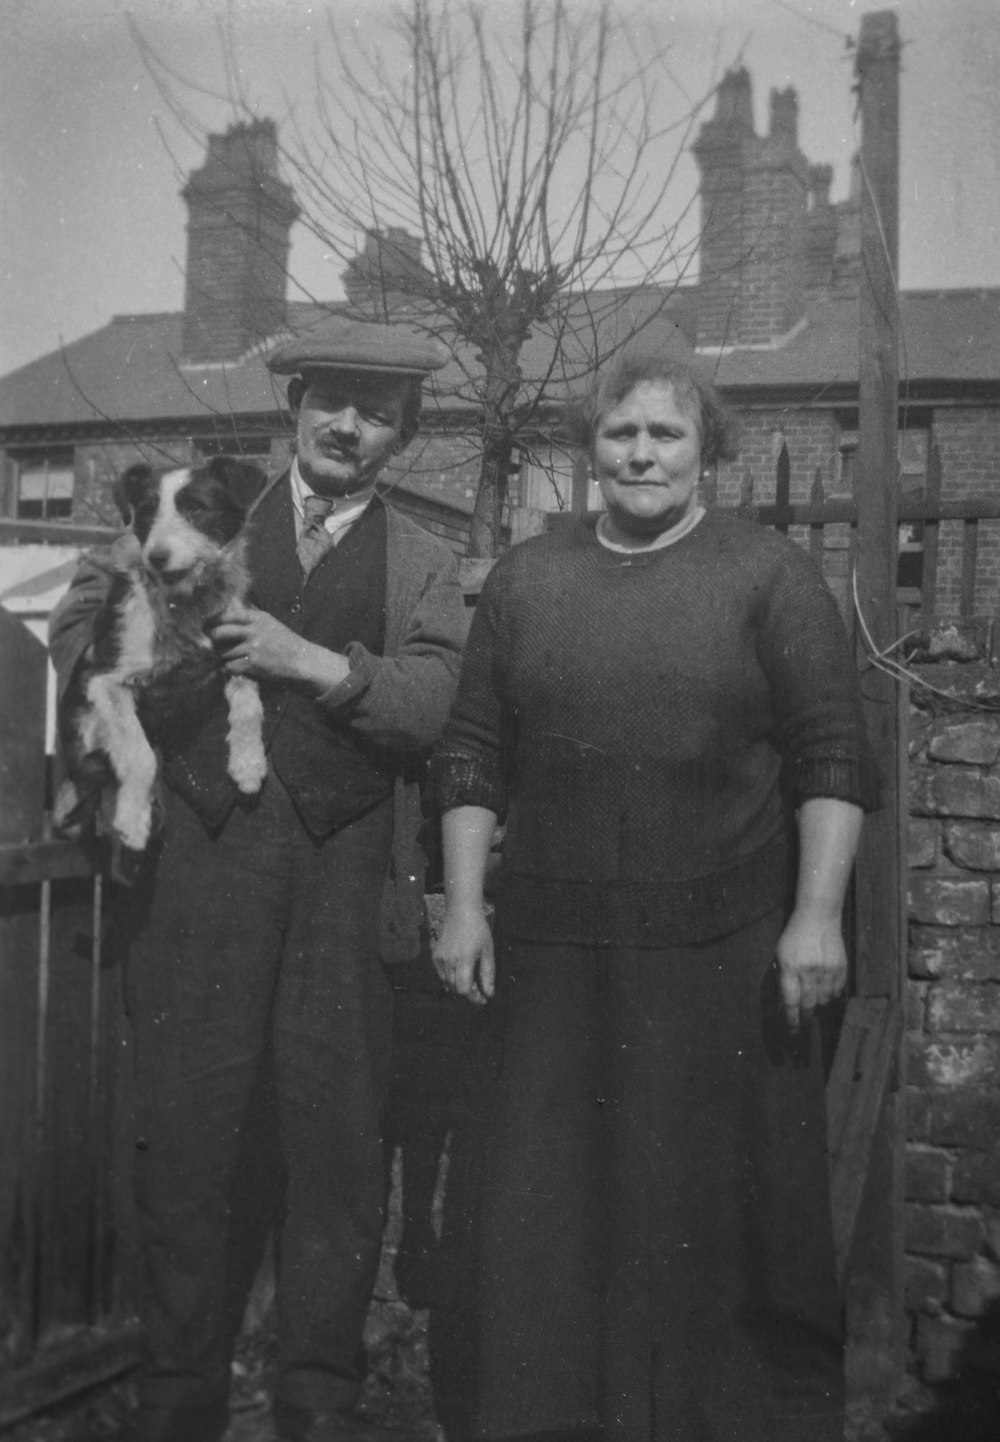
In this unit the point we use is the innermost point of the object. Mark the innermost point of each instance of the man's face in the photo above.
(347, 427)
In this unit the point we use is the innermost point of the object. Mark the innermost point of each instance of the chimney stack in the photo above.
(388, 273)
(240, 215)
(754, 209)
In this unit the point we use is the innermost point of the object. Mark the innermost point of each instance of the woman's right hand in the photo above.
(463, 953)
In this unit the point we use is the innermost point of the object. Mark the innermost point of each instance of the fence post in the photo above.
(874, 1284)
(22, 801)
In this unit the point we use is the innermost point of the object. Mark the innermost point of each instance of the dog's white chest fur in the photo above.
(136, 633)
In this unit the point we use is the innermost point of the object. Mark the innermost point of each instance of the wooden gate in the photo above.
(63, 1317)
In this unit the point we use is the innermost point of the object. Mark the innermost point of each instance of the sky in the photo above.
(92, 158)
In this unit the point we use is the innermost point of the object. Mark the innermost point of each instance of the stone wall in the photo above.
(952, 1211)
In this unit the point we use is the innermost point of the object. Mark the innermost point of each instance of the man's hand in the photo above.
(812, 965)
(463, 954)
(255, 643)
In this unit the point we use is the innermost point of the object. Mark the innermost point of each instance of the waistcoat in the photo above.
(330, 776)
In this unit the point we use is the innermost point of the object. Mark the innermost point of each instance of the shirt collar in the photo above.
(346, 509)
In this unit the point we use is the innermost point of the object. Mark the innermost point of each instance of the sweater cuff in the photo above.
(458, 779)
(842, 778)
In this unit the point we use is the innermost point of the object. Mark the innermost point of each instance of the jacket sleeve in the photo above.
(71, 625)
(401, 701)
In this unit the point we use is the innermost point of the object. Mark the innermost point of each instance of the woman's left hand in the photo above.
(812, 964)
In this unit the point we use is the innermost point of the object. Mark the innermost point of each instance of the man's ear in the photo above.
(296, 390)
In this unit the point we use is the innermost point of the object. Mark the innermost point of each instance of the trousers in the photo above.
(253, 969)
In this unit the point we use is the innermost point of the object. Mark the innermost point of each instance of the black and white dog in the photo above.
(151, 653)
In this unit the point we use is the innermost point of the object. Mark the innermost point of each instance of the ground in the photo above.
(396, 1395)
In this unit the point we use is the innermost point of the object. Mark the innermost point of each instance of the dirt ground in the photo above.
(396, 1395)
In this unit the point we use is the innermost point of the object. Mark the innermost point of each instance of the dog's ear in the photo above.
(127, 491)
(242, 479)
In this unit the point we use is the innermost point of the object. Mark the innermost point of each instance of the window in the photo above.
(550, 475)
(45, 487)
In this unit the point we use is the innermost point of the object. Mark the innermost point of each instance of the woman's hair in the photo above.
(691, 386)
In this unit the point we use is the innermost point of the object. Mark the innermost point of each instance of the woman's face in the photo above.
(647, 460)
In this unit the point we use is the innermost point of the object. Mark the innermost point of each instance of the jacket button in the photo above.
(295, 607)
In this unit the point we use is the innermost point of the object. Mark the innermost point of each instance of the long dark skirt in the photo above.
(637, 1232)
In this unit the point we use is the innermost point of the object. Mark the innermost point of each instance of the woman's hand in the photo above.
(812, 964)
(463, 954)
(255, 643)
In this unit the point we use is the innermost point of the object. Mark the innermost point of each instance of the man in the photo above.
(258, 951)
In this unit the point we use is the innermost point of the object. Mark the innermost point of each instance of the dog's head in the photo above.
(183, 518)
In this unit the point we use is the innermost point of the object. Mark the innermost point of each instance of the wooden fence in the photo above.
(921, 516)
(63, 1322)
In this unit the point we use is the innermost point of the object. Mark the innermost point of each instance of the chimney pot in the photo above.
(785, 115)
(734, 100)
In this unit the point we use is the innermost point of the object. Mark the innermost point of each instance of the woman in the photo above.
(638, 1235)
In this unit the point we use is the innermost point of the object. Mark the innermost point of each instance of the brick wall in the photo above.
(952, 1211)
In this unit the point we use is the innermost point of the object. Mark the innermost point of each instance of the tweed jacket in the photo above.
(399, 700)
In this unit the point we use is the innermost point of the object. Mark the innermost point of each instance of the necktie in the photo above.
(315, 539)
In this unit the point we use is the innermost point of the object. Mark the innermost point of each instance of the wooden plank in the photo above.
(782, 487)
(472, 573)
(816, 498)
(525, 522)
(821, 513)
(71, 1151)
(863, 1069)
(55, 533)
(844, 1072)
(970, 550)
(909, 508)
(47, 861)
(18, 1150)
(23, 666)
(932, 491)
(56, 1374)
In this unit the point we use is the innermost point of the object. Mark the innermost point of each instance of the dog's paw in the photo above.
(67, 817)
(248, 768)
(133, 821)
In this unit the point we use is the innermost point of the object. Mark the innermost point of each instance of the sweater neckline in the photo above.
(620, 558)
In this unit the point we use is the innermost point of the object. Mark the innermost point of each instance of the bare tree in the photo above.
(535, 168)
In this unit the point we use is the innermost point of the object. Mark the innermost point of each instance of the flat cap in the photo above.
(340, 343)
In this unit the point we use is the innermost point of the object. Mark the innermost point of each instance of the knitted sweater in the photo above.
(635, 716)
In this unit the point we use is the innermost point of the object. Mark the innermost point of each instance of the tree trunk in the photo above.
(487, 517)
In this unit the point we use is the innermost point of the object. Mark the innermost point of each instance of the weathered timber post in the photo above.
(874, 1276)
